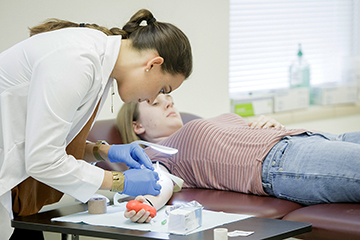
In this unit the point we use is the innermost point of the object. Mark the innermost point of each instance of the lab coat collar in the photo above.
(110, 57)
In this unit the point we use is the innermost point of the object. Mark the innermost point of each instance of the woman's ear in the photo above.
(138, 128)
(155, 61)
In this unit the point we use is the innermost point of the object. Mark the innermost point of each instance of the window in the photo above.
(265, 34)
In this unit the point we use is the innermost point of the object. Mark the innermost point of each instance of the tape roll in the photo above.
(97, 205)
(220, 234)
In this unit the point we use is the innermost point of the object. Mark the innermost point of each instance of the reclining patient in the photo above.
(261, 158)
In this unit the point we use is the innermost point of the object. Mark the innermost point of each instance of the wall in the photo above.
(205, 22)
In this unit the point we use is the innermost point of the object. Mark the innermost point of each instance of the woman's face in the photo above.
(139, 74)
(147, 87)
(157, 120)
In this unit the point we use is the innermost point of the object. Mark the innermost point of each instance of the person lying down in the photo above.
(227, 153)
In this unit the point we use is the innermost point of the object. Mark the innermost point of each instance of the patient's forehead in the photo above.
(158, 98)
(161, 96)
(168, 96)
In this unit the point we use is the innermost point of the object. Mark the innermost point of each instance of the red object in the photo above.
(137, 206)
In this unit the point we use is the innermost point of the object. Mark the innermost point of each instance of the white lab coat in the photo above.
(50, 85)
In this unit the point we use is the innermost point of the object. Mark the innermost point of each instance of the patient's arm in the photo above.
(157, 201)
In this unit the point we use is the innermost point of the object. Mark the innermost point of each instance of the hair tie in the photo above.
(151, 21)
(82, 25)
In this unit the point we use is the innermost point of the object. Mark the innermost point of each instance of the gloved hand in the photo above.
(132, 154)
(141, 182)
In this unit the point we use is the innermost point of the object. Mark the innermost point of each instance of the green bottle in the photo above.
(299, 72)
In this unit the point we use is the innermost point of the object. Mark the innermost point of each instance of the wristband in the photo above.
(149, 202)
(96, 152)
(118, 182)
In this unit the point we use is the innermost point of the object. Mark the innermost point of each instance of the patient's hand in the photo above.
(142, 216)
(266, 122)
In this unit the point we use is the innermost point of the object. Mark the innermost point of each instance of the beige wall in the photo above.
(204, 21)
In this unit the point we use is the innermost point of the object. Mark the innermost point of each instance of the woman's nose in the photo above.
(168, 103)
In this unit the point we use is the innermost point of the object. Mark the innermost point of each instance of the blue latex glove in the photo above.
(141, 182)
(132, 154)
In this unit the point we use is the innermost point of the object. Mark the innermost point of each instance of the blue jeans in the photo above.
(314, 168)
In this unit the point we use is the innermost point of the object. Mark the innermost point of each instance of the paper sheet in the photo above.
(115, 218)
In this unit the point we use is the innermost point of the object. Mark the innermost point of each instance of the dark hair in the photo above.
(168, 40)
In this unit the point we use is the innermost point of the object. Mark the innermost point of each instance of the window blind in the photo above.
(265, 34)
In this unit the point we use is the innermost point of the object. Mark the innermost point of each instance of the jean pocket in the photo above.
(280, 154)
(284, 145)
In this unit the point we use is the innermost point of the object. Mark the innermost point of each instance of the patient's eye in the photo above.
(155, 103)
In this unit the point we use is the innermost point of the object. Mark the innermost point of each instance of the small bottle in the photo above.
(300, 72)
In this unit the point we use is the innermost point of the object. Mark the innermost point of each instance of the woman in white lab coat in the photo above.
(51, 87)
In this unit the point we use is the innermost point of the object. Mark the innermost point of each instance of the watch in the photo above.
(96, 150)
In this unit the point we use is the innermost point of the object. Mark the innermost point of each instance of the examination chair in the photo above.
(329, 221)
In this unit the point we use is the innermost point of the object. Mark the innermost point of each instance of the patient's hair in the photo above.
(168, 40)
(126, 116)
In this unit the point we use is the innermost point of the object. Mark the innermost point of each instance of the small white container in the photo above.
(220, 234)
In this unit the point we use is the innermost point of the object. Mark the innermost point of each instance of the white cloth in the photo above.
(50, 85)
(114, 217)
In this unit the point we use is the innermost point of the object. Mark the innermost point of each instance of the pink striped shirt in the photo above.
(220, 153)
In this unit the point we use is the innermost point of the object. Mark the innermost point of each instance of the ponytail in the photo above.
(168, 40)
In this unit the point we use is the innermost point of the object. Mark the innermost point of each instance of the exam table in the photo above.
(329, 221)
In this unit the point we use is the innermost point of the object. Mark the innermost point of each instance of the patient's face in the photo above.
(159, 119)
